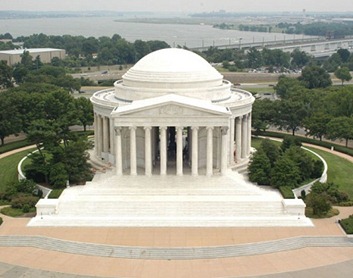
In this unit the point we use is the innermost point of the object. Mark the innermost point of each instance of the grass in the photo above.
(55, 193)
(340, 171)
(8, 166)
(13, 145)
(9, 211)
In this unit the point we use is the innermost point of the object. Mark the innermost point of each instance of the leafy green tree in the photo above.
(343, 74)
(10, 118)
(5, 75)
(316, 124)
(290, 115)
(299, 58)
(271, 150)
(315, 77)
(254, 58)
(263, 114)
(319, 203)
(260, 168)
(84, 108)
(287, 86)
(344, 54)
(285, 173)
(340, 128)
(290, 141)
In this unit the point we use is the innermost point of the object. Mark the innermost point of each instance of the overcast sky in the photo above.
(179, 5)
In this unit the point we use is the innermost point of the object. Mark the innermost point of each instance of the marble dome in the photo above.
(172, 70)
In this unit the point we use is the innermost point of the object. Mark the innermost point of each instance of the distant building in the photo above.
(46, 54)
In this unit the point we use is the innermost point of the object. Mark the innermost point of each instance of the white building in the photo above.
(173, 109)
(13, 57)
(171, 131)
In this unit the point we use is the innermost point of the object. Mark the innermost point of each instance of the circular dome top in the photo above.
(172, 68)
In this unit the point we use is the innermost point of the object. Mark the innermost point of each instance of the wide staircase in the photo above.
(171, 201)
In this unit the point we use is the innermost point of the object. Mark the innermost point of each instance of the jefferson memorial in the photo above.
(172, 138)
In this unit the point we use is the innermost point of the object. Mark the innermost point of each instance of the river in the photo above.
(174, 34)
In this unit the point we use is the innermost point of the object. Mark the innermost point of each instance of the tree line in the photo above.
(308, 102)
(41, 105)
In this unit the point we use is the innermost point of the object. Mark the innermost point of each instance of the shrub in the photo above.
(347, 224)
(22, 200)
(319, 203)
(286, 192)
(1, 221)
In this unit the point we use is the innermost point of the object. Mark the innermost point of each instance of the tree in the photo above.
(290, 115)
(319, 203)
(344, 54)
(5, 75)
(84, 108)
(340, 128)
(315, 77)
(254, 58)
(263, 114)
(285, 173)
(260, 168)
(10, 118)
(316, 124)
(343, 74)
(288, 86)
(271, 150)
(299, 58)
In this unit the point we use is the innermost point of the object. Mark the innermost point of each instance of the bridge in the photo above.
(319, 47)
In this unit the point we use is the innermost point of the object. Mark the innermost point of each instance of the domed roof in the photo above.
(172, 68)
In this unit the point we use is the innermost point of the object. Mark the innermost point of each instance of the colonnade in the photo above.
(235, 141)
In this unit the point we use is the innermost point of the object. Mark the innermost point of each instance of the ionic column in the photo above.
(179, 162)
(118, 152)
(195, 151)
(238, 138)
(163, 149)
(105, 135)
(99, 136)
(224, 132)
(148, 151)
(133, 166)
(95, 133)
(231, 142)
(111, 133)
(209, 163)
(244, 136)
(249, 135)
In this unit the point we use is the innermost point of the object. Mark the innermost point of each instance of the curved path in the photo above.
(320, 251)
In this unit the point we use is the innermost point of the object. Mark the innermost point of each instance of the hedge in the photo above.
(347, 224)
(324, 144)
(286, 192)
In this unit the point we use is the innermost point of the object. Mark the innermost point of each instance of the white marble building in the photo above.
(172, 110)
(173, 133)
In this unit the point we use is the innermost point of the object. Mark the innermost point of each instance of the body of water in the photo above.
(174, 34)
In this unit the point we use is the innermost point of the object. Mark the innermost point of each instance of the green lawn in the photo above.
(340, 171)
(8, 166)
(14, 145)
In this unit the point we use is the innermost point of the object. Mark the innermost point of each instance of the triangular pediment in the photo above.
(171, 106)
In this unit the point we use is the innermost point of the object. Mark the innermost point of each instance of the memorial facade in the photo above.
(174, 113)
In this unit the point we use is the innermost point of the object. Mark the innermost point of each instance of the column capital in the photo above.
(163, 127)
(147, 127)
(133, 127)
(224, 130)
(239, 118)
(195, 128)
(179, 127)
(209, 127)
(117, 130)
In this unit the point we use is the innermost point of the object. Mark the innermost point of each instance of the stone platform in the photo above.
(170, 201)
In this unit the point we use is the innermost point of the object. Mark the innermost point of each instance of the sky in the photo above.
(179, 5)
